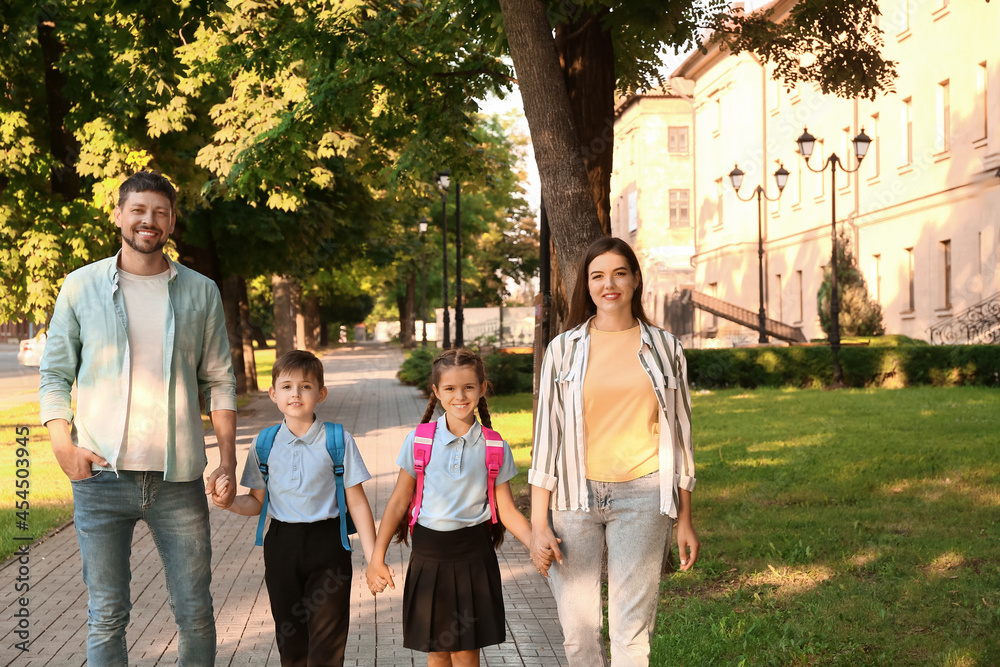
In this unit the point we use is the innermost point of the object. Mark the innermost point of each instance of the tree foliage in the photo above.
(859, 315)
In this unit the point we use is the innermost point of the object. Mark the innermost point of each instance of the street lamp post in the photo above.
(781, 178)
(443, 181)
(423, 280)
(806, 143)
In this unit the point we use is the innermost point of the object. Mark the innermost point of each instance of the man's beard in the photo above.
(132, 243)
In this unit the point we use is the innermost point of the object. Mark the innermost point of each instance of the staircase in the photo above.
(747, 318)
(979, 324)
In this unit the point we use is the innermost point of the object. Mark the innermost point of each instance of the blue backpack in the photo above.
(335, 446)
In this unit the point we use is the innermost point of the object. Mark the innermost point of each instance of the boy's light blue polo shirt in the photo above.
(301, 484)
(455, 477)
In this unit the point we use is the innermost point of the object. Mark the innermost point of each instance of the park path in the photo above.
(373, 405)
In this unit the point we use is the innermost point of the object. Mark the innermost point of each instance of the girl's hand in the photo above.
(379, 575)
(687, 544)
(544, 548)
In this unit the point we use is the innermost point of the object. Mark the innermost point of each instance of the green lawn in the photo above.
(841, 528)
(511, 417)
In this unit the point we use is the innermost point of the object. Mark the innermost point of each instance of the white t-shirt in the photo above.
(145, 444)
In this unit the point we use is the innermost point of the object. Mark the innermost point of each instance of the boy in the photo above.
(306, 568)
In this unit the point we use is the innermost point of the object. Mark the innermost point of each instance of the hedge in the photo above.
(508, 373)
(812, 366)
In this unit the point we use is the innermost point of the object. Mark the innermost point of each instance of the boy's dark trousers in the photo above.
(308, 575)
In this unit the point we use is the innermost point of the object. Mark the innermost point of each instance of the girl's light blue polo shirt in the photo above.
(301, 484)
(455, 477)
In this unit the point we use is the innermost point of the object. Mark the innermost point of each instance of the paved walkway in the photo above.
(367, 398)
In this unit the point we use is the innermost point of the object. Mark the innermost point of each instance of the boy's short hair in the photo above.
(147, 180)
(298, 360)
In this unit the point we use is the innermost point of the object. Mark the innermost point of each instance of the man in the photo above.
(141, 335)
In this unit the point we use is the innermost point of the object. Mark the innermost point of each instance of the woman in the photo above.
(613, 460)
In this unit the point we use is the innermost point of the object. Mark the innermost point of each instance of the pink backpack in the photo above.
(423, 441)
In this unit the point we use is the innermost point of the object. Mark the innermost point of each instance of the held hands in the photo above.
(379, 575)
(544, 548)
(221, 488)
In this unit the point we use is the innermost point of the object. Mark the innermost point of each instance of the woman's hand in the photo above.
(687, 544)
(544, 548)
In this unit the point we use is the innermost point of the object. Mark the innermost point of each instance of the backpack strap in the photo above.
(423, 442)
(335, 446)
(265, 441)
(494, 461)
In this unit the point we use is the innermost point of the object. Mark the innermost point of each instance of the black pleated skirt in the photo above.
(452, 598)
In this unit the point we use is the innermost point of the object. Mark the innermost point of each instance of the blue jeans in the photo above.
(106, 509)
(626, 516)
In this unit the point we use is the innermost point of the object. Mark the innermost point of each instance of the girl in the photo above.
(452, 600)
(613, 461)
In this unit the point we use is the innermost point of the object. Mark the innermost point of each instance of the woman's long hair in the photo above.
(455, 358)
(581, 306)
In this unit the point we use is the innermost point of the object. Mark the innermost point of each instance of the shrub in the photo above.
(510, 373)
(864, 366)
(416, 369)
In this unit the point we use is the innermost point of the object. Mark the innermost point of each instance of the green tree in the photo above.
(859, 315)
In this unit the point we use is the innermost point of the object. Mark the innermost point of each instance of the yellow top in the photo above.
(620, 412)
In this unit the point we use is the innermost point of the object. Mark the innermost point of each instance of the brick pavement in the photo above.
(364, 396)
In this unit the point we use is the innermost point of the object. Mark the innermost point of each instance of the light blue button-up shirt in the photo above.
(88, 343)
(300, 481)
(455, 477)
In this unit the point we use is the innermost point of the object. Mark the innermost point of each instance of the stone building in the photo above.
(922, 212)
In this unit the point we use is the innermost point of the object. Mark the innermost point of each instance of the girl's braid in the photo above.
(484, 413)
(429, 412)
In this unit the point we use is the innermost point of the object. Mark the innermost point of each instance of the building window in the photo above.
(798, 281)
(781, 309)
(980, 112)
(819, 180)
(679, 208)
(875, 149)
(911, 302)
(713, 291)
(677, 139)
(906, 125)
(942, 137)
(946, 272)
(720, 193)
(633, 210)
(878, 278)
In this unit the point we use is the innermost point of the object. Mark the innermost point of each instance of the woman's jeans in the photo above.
(626, 516)
(106, 510)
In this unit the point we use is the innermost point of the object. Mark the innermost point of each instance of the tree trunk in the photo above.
(284, 320)
(298, 317)
(246, 338)
(565, 185)
(64, 179)
(587, 56)
(231, 307)
(407, 312)
(312, 320)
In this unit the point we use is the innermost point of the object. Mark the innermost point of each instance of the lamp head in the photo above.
(806, 143)
(781, 177)
(861, 144)
(444, 179)
(422, 225)
(736, 177)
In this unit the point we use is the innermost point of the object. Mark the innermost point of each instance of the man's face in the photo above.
(146, 220)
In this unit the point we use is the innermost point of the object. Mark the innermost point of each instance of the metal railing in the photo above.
(745, 317)
(979, 324)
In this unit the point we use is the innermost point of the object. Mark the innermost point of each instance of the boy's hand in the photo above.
(379, 575)
(220, 491)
